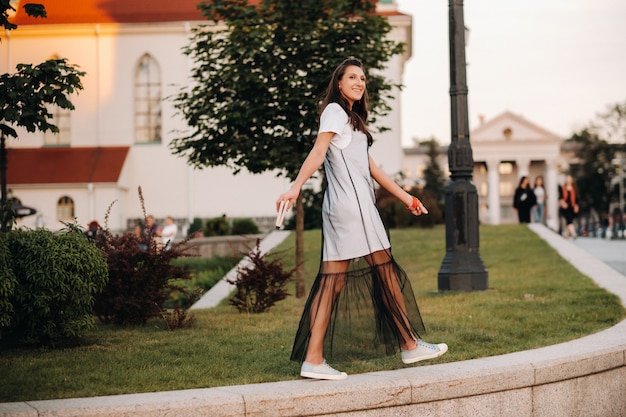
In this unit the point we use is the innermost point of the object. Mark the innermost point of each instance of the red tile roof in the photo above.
(120, 11)
(65, 165)
(111, 11)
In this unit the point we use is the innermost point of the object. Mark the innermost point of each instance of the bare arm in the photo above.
(311, 164)
(394, 189)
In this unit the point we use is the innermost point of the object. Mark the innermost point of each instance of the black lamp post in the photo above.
(462, 268)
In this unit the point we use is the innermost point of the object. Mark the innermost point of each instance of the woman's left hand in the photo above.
(416, 207)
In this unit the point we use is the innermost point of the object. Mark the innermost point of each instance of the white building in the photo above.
(506, 148)
(117, 138)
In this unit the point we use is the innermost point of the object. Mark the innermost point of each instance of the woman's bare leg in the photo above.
(572, 230)
(322, 306)
(393, 296)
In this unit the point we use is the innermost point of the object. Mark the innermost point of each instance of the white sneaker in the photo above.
(423, 351)
(321, 371)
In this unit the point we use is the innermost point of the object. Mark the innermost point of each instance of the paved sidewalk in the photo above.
(594, 265)
(610, 251)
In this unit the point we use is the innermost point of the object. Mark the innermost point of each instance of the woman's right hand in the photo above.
(288, 197)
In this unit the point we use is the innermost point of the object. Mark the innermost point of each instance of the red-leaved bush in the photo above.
(140, 280)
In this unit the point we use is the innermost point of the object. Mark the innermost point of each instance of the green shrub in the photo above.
(261, 283)
(244, 227)
(195, 226)
(7, 283)
(58, 276)
(217, 226)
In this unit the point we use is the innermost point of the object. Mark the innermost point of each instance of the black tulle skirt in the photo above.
(371, 306)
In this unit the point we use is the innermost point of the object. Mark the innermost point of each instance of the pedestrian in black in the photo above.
(524, 200)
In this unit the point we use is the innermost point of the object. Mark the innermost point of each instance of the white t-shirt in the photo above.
(168, 233)
(540, 193)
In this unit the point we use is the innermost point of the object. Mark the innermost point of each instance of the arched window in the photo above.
(147, 101)
(61, 119)
(65, 209)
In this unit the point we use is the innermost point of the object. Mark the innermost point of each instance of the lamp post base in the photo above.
(462, 268)
(462, 272)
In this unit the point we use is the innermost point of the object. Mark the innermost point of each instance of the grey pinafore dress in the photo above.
(371, 301)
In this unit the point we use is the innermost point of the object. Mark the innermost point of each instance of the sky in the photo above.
(557, 63)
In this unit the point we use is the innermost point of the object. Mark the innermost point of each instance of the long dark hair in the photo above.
(359, 111)
(521, 181)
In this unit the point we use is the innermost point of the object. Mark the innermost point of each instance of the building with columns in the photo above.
(505, 148)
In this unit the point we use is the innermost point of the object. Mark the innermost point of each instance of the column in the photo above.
(552, 193)
(523, 167)
(494, 190)
(91, 201)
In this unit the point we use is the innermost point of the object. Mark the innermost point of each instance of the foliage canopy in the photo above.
(600, 151)
(26, 95)
(259, 74)
(31, 9)
(592, 170)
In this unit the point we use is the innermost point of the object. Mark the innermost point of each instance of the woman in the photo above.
(523, 200)
(360, 293)
(568, 206)
(538, 210)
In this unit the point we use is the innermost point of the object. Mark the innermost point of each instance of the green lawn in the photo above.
(535, 299)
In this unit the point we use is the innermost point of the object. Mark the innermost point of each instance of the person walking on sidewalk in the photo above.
(539, 209)
(568, 206)
(524, 200)
(361, 301)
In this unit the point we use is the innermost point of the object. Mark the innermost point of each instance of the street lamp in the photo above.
(462, 268)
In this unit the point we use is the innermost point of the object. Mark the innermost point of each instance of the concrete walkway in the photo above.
(610, 251)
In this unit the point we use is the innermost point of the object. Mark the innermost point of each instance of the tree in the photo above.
(611, 125)
(433, 175)
(597, 149)
(31, 9)
(25, 97)
(259, 73)
(592, 170)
